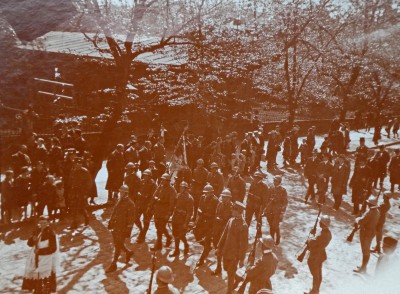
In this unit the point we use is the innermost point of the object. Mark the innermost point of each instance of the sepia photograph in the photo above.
(200, 146)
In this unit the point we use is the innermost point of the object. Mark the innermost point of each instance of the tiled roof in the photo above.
(76, 43)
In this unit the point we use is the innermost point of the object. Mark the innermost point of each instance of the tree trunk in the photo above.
(343, 110)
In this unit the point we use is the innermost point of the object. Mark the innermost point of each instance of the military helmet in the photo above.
(226, 193)
(200, 161)
(165, 177)
(184, 184)
(124, 188)
(147, 172)
(129, 165)
(208, 188)
(165, 274)
(214, 165)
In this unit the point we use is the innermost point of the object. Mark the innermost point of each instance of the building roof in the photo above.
(76, 43)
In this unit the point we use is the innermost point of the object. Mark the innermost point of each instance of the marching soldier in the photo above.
(216, 179)
(132, 180)
(162, 204)
(367, 224)
(147, 187)
(276, 208)
(237, 185)
(233, 244)
(200, 174)
(80, 183)
(394, 170)
(259, 275)
(120, 224)
(359, 184)
(222, 216)
(205, 223)
(256, 198)
(310, 172)
(316, 246)
(383, 209)
(181, 217)
(206, 214)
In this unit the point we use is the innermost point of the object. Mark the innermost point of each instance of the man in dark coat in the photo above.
(120, 224)
(200, 174)
(316, 246)
(222, 216)
(359, 184)
(132, 180)
(256, 198)
(19, 160)
(7, 197)
(80, 183)
(394, 170)
(259, 275)
(383, 160)
(147, 187)
(383, 208)
(205, 222)
(116, 171)
(276, 208)
(310, 172)
(145, 155)
(274, 140)
(162, 205)
(340, 177)
(237, 185)
(233, 244)
(361, 152)
(215, 178)
(367, 224)
(181, 217)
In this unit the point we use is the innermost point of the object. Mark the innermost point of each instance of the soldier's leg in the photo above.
(176, 230)
(159, 227)
(146, 223)
(379, 233)
(118, 243)
(196, 198)
(185, 243)
(317, 278)
(249, 213)
(206, 250)
(110, 196)
(166, 233)
(230, 266)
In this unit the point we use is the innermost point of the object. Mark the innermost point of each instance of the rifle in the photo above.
(356, 227)
(153, 268)
(252, 256)
(312, 232)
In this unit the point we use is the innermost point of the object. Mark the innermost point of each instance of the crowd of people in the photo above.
(202, 189)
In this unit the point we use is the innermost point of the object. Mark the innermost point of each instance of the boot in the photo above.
(186, 250)
(128, 256)
(112, 267)
(217, 271)
(176, 251)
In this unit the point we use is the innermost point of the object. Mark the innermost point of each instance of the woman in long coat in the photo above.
(42, 263)
(340, 177)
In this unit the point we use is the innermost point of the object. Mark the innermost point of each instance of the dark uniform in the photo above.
(367, 223)
(200, 175)
(359, 184)
(216, 179)
(259, 274)
(340, 177)
(147, 188)
(237, 185)
(275, 210)
(116, 171)
(121, 223)
(310, 172)
(256, 198)
(80, 183)
(317, 246)
(181, 216)
(162, 204)
(361, 154)
(232, 247)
